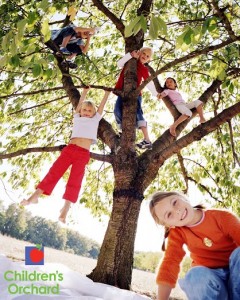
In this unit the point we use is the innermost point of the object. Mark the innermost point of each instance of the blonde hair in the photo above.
(148, 49)
(88, 103)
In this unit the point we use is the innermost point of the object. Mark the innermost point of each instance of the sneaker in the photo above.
(144, 145)
(72, 65)
(65, 51)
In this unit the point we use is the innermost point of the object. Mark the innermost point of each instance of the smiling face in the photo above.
(87, 110)
(175, 210)
(145, 55)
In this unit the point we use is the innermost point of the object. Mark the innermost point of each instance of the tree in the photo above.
(195, 41)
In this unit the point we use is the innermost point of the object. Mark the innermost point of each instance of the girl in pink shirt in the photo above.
(184, 108)
(76, 154)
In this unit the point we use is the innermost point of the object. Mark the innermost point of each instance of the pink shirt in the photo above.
(174, 96)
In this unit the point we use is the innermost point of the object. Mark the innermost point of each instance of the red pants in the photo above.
(73, 155)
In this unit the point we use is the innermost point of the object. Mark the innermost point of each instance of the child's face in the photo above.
(170, 84)
(85, 34)
(87, 111)
(145, 56)
(175, 210)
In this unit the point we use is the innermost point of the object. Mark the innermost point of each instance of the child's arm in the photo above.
(82, 98)
(82, 29)
(103, 102)
(164, 292)
(85, 47)
(127, 57)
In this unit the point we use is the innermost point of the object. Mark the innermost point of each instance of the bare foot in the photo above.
(202, 120)
(64, 212)
(31, 200)
(172, 130)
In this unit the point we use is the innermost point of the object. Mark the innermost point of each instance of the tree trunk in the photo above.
(115, 261)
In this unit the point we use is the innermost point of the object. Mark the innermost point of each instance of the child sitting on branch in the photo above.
(184, 108)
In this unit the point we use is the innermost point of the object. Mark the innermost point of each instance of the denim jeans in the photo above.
(202, 283)
(140, 121)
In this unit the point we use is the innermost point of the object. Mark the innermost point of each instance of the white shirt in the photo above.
(84, 127)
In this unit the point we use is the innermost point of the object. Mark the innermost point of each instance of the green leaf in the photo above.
(162, 26)
(6, 41)
(189, 34)
(37, 70)
(44, 5)
(153, 28)
(32, 18)
(14, 61)
(45, 30)
(3, 61)
(143, 22)
(128, 31)
(21, 27)
(136, 28)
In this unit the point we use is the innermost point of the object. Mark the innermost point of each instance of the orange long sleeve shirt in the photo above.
(210, 243)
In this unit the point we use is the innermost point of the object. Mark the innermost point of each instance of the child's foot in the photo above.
(172, 130)
(65, 51)
(144, 145)
(31, 200)
(63, 214)
(202, 120)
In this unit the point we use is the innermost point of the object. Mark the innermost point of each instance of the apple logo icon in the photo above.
(34, 255)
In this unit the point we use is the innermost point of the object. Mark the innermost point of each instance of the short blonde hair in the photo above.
(88, 103)
(148, 49)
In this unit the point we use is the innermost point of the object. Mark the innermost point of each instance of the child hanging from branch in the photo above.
(76, 154)
(170, 87)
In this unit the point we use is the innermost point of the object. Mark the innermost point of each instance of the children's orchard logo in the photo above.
(35, 282)
(34, 255)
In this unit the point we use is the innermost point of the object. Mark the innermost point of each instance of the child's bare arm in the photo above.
(103, 102)
(164, 292)
(83, 29)
(85, 47)
(82, 98)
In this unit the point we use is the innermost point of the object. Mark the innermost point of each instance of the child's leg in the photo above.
(64, 211)
(199, 109)
(145, 134)
(118, 112)
(33, 199)
(173, 127)
(65, 41)
(213, 283)
(234, 277)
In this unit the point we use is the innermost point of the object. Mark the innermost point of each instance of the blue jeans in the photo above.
(140, 121)
(202, 283)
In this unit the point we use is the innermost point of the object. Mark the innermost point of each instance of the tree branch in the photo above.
(117, 22)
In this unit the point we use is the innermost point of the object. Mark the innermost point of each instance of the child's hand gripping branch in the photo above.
(76, 154)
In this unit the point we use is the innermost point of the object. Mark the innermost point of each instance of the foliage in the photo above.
(147, 261)
(196, 42)
(18, 223)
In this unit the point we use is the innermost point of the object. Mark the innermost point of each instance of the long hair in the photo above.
(155, 199)
(165, 87)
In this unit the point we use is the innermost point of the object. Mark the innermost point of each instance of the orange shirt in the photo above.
(210, 243)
